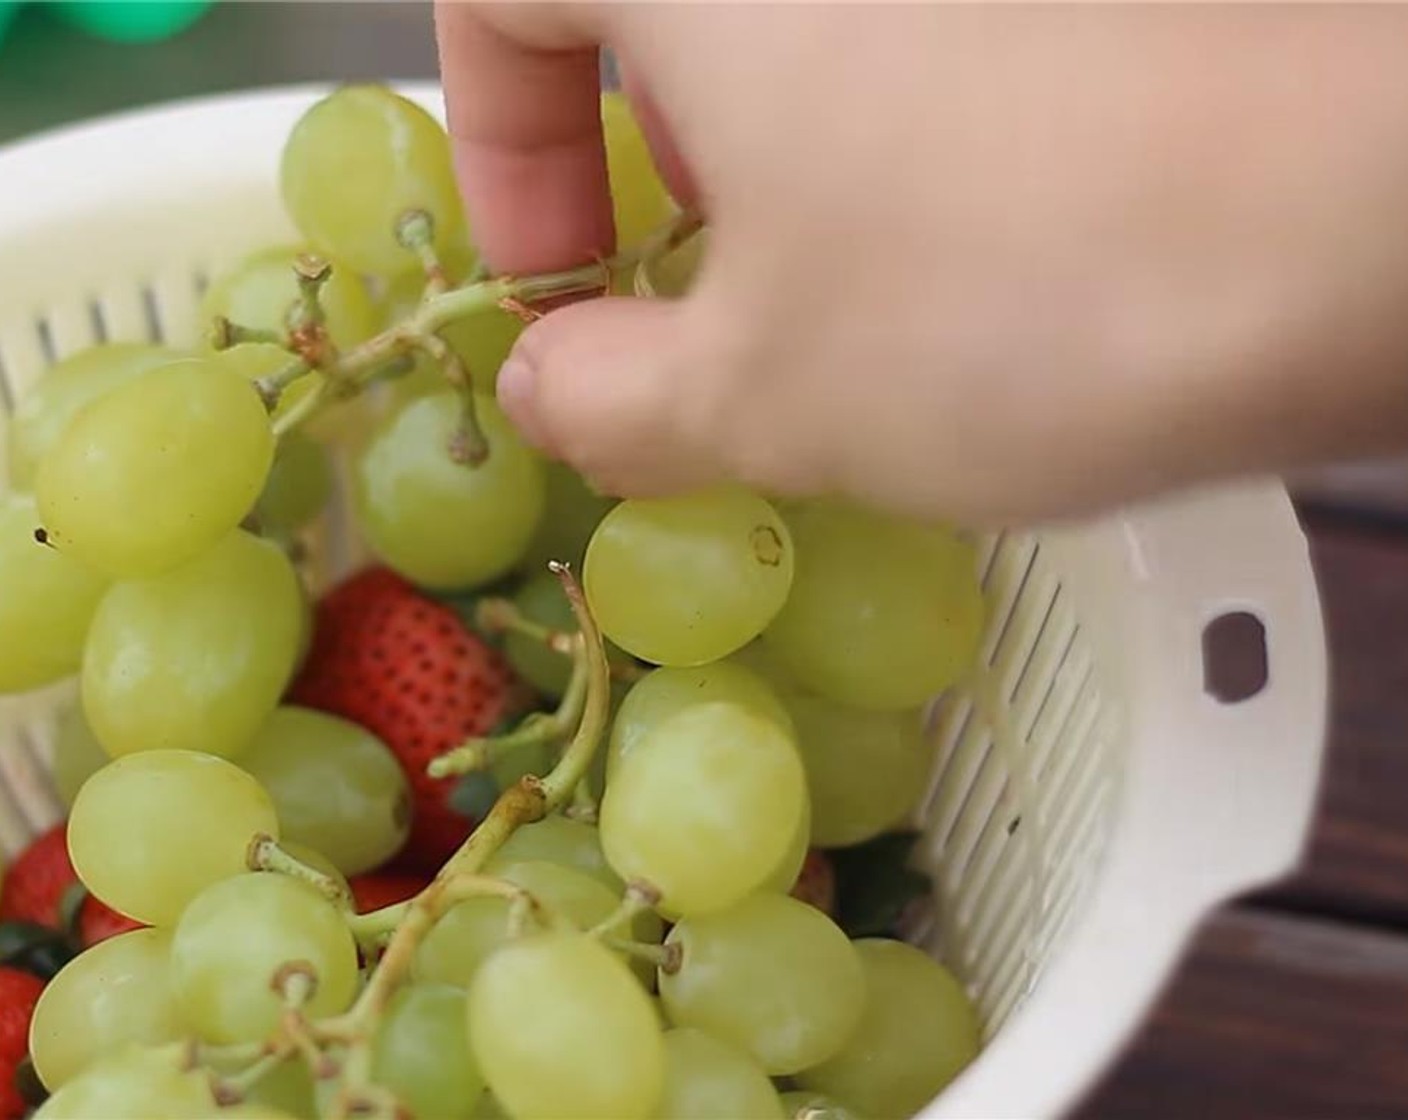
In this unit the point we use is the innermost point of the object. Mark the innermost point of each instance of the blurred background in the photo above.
(1292, 1004)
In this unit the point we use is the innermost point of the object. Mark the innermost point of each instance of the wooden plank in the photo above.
(1272, 1016)
(1357, 863)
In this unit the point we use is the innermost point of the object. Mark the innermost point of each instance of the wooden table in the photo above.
(1294, 1003)
(1291, 1005)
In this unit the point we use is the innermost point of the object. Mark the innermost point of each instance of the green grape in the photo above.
(639, 199)
(663, 692)
(489, 1108)
(561, 1028)
(298, 486)
(706, 1079)
(773, 976)
(156, 471)
(286, 1091)
(456, 949)
(540, 599)
(705, 807)
(253, 1110)
(134, 1083)
(151, 831)
(195, 658)
(440, 523)
(784, 875)
(336, 787)
(802, 1105)
(423, 1055)
(883, 613)
(117, 992)
(561, 840)
(917, 1033)
(66, 388)
(688, 580)
(77, 754)
(482, 342)
(47, 600)
(261, 292)
(355, 163)
(528, 758)
(570, 517)
(865, 769)
(235, 936)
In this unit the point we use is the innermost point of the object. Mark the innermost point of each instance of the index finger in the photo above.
(522, 99)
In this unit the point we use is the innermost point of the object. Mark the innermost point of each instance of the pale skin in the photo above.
(974, 263)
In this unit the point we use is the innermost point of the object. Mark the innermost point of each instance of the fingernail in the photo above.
(517, 393)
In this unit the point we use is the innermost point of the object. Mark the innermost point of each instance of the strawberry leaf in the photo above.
(875, 884)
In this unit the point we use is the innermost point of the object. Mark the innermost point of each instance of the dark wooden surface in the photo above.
(1293, 1004)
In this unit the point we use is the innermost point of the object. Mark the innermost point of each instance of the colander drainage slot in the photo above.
(1234, 657)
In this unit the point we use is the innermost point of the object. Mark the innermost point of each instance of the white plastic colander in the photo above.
(1091, 799)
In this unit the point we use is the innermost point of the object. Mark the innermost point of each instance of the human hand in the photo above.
(980, 263)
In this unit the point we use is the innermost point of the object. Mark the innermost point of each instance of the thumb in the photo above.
(621, 390)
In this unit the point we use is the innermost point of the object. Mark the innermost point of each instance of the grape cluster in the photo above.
(620, 936)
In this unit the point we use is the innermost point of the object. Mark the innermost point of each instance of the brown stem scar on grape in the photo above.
(296, 982)
(767, 546)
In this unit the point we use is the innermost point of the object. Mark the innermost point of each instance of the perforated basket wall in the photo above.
(1090, 800)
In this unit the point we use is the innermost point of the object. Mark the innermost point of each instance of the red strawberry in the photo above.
(38, 880)
(41, 882)
(19, 992)
(97, 922)
(816, 882)
(376, 889)
(408, 670)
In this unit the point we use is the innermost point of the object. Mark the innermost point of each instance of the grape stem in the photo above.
(494, 615)
(535, 729)
(667, 958)
(266, 855)
(639, 897)
(421, 329)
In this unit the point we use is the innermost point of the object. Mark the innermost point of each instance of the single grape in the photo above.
(640, 201)
(706, 1079)
(336, 787)
(77, 754)
(570, 517)
(134, 1083)
(688, 580)
(561, 1028)
(441, 523)
(117, 992)
(705, 807)
(784, 874)
(233, 939)
(802, 1105)
(298, 486)
(666, 691)
(47, 600)
(489, 1108)
(540, 599)
(359, 160)
(507, 767)
(865, 769)
(67, 387)
(157, 470)
(255, 1110)
(917, 1033)
(455, 950)
(562, 840)
(151, 831)
(195, 658)
(482, 342)
(261, 292)
(883, 613)
(773, 976)
(423, 1054)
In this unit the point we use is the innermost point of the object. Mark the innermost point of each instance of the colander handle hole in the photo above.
(1234, 657)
